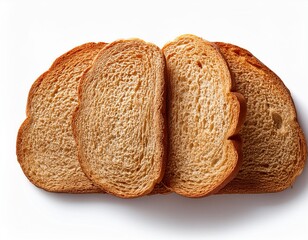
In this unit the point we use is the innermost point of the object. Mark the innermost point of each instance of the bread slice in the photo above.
(274, 146)
(46, 149)
(203, 118)
(119, 123)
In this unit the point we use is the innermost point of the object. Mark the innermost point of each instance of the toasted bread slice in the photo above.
(119, 123)
(46, 149)
(274, 146)
(203, 116)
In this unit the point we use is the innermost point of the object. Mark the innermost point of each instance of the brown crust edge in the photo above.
(27, 122)
(237, 142)
(161, 110)
(250, 58)
(160, 187)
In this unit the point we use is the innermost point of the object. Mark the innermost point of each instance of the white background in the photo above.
(34, 33)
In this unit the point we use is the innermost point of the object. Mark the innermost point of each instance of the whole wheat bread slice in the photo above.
(119, 123)
(203, 117)
(274, 146)
(46, 149)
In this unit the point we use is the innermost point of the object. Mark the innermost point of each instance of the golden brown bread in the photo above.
(274, 146)
(119, 123)
(46, 149)
(203, 116)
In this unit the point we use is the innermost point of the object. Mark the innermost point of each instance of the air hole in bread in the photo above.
(237, 52)
(242, 53)
(265, 165)
(55, 91)
(199, 64)
(198, 108)
(277, 120)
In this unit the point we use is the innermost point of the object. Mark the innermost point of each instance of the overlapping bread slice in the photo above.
(119, 123)
(46, 149)
(203, 118)
(274, 147)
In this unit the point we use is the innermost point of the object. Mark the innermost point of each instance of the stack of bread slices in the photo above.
(131, 119)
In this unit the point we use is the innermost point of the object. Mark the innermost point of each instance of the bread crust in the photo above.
(27, 122)
(239, 111)
(237, 143)
(243, 186)
(160, 110)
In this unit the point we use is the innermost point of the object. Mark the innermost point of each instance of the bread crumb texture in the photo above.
(119, 125)
(274, 147)
(202, 115)
(46, 149)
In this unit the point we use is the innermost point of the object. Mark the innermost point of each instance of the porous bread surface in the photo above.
(274, 147)
(119, 124)
(202, 115)
(46, 149)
